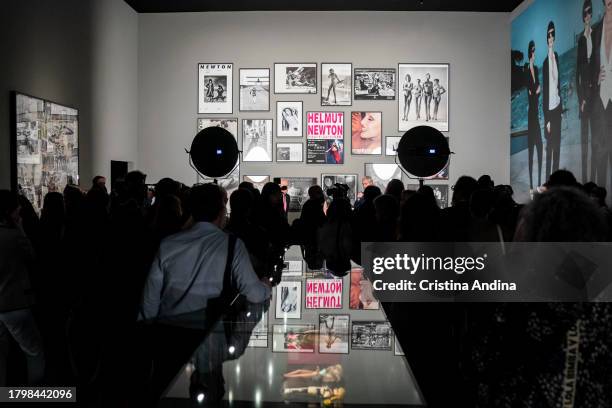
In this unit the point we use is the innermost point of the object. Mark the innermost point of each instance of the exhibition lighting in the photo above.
(214, 152)
(423, 152)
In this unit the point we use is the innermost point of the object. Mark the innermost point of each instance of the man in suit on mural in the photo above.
(551, 101)
(602, 93)
(584, 85)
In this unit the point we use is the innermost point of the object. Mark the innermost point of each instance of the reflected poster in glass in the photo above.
(294, 338)
(371, 335)
(361, 296)
(334, 333)
(289, 300)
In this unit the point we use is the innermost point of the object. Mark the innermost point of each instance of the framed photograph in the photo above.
(256, 140)
(294, 338)
(329, 180)
(289, 152)
(293, 267)
(375, 84)
(254, 89)
(289, 300)
(361, 295)
(325, 137)
(44, 147)
(368, 335)
(382, 173)
(391, 143)
(334, 333)
(366, 133)
(324, 293)
(258, 181)
(289, 118)
(295, 78)
(229, 124)
(424, 90)
(297, 190)
(397, 349)
(440, 192)
(259, 335)
(336, 84)
(215, 88)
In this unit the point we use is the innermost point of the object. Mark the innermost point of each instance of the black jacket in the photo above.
(584, 73)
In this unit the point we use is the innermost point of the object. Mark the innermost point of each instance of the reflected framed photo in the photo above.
(256, 140)
(334, 333)
(293, 267)
(328, 181)
(324, 293)
(254, 89)
(336, 84)
(259, 335)
(397, 349)
(289, 119)
(366, 133)
(382, 173)
(371, 335)
(361, 295)
(289, 152)
(424, 90)
(295, 78)
(294, 338)
(374, 84)
(289, 300)
(391, 143)
(215, 87)
(257, 181)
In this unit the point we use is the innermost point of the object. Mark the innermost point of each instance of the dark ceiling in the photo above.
(174, 6)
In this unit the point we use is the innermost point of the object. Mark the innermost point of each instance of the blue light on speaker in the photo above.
(432, 151)
(219, 152)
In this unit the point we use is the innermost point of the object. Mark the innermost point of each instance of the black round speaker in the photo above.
(214, 152)
(423, 151)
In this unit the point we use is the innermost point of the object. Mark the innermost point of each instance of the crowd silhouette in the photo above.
(78, 270)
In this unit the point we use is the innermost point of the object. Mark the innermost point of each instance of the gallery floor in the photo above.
(341, 356)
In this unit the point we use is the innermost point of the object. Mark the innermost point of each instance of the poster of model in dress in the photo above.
(391, 143)
(214, 88)
(334, 333)
(256, 140)
(46, 140)
(294, 338)
(383, 173)
(375, 84)
(296, 78)
(254, 89)
(289, 118)
(366, 335)
(336, 84)
(297, 190)
(325, 137)
(423, 99)
(257, 181)
(361, 296)
(289, 152)
(328, 181)
(289, 300)
(366, 133)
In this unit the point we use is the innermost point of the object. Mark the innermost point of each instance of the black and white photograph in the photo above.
(293, 267)
(440, 192)
(382, 173)
(257, 181)
(229, 124)
(329, 181)
(289, 152)
(391, 143)
(373, 84)
(289, 300)
(397, 349)
(47, 147)
(423, 96)
(259, 335)
(336, 86)
(295, 78)
(297, 190)
(214, 88)
(254, 89)
(257, 140)
(289, 119)
(367, 335)
(294, 338)
(334, 333)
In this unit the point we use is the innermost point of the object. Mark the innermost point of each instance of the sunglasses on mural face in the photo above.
(551, 34)
(587, 12)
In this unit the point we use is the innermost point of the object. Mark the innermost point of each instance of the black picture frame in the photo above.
(244, 153)
(300, 300)
(350, 64)
(361, 70)
(240, 90)
(343, 138)
(381, 135)
(356, 175)
(276, 64)
(231, 105)
(387, 145)
(324, 308)
(348, 333)
(309, 326)
(279, 120)
(391, 334)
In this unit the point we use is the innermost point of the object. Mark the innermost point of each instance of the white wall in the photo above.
(475, 44)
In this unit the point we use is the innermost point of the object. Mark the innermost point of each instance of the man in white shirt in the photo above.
(551, 102)
(189, 267)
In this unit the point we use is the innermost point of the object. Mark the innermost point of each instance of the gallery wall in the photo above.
(77, 53)
(474, 44)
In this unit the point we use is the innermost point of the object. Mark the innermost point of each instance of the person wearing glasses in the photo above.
(602, 92)
(534, 134)
(551, 101)
(584, 84)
